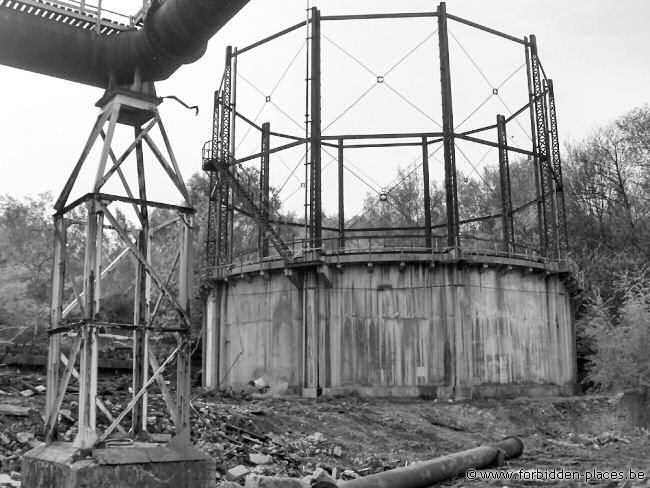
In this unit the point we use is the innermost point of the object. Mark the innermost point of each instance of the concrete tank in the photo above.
(450, 325)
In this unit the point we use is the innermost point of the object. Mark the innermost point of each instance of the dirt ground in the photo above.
(355, 436)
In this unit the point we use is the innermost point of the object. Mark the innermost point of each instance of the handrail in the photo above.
(375, 245)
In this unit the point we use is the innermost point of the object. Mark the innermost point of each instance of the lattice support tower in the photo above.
(138, 111)
(563, 234)
(544, 168)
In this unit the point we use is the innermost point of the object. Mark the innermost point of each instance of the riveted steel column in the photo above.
(451, 187)
(533, 132)
(427, 194)
(316, 223)
(504, 177)
(56, 314)
(183, 369)
(541, 132)
(341, 196)
(563, 235)
(140, 305)
(263, 240)
(87, 435)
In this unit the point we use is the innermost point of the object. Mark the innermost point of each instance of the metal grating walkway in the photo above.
(77, 14)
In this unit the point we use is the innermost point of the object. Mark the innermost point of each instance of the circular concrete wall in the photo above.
(470, 326)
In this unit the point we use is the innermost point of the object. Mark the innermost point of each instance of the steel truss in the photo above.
(140, 112)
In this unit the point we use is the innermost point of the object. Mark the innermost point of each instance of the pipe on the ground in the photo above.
(421, 475)
(176, 32)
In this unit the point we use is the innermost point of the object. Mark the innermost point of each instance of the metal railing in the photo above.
(368, 245)
(88, 15)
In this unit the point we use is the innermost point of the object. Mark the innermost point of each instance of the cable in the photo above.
(411, 52)
(489, 97)
(270, 94)
(374, 84)
(412, 104)
(374, 74)
(271, 101)
(390, 189)
(354, 58)
(475, 170)
(472, 60)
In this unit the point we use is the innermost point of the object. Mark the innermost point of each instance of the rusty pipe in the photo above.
(421, 475)
(175, 32)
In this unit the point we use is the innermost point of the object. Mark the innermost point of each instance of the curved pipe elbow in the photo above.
(176, 32)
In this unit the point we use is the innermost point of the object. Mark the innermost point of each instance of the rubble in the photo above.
(256, 458)
(237, 473)
(274, 440)
(255, 481)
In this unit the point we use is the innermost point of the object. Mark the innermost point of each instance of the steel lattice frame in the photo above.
(563, 233)
(137, 111)
(544, 152)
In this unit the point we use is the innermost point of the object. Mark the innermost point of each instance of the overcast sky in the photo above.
(595, 50)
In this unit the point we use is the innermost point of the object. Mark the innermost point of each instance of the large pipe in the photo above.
(421, 475)
(175, 32)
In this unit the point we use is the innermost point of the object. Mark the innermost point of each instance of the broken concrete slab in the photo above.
(257, 481)
(256, 458)
(237, 473)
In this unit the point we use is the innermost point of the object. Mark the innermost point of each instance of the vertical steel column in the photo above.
(86, 435)
(316, 223)
(451, 186)
(533, 133)
(56, 314)
(428, 240)
(232, 119)
(263, 240)
(341, 196)
(183, 393)
(140, 305)
(504, 178)
(563, 235)
(212, 231)
(549, 174)
(221, 151)
(542, 147)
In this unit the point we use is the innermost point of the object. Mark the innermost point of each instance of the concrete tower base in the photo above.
(455, 325)
(141, 465)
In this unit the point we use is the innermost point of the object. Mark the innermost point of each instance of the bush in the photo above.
(619, 338)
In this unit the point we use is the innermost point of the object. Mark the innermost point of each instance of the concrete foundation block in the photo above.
(141, 465)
